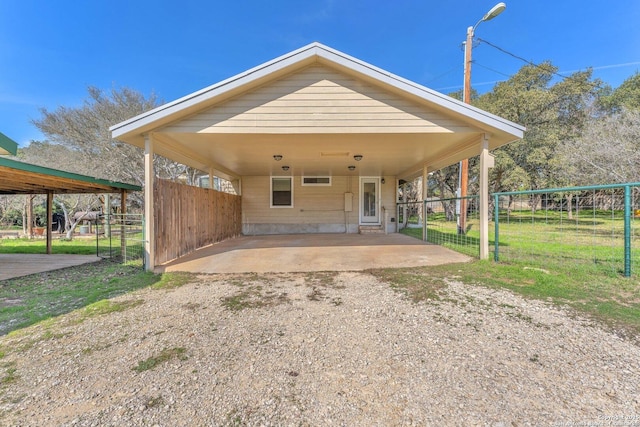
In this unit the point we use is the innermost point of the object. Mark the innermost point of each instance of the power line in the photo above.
(442, 75)
(546, 69)
(491, 69)
(520, 58)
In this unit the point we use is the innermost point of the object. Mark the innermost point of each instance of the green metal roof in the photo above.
(8, 145)
(24, 178)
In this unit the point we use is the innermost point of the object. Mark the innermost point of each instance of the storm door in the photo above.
(370, 200)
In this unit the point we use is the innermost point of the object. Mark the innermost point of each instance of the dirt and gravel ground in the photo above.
(318, 349)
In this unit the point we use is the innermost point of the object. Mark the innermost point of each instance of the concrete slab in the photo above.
(313, 252)
(16, 265)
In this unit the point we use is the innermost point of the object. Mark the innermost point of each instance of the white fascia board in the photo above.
(212, 91)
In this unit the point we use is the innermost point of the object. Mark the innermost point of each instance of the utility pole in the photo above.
(466, 95)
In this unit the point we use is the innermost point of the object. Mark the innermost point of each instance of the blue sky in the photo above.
(51, 51)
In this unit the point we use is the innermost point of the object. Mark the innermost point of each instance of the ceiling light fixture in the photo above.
(285, 168)
(277, 157)
(351, 168)
(357, 157)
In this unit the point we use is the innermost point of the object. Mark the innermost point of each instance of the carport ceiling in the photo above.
(383, 154)
(23, 178)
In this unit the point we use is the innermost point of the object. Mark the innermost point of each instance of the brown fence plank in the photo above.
(188, 218)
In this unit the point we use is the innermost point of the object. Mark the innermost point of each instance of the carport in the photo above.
(314, 141)
(22, 178)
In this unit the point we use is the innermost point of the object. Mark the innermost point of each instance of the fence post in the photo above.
(97, 238)
(144, 242)
(424, 221)
(627, 231)
(496, 239)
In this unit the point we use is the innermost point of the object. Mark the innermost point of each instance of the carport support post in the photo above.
(149, 177)
(49, 219)
(486, 162)
(425, 186)
(29, 224)
(212, 174)
(402, 200)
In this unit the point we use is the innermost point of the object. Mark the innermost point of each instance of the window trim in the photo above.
(315, 184)
(271, 205)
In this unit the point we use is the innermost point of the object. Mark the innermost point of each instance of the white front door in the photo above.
(370, 200)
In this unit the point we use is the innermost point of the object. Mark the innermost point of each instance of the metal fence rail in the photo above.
(582, 227)
(120, 237)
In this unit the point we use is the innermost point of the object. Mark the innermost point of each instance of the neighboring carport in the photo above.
(22, 178)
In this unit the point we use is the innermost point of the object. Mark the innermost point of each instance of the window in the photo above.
(282, 192)
(316, 180)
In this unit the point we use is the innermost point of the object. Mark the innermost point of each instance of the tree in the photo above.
(445, 183)
(75, 209)
(627, 95)
(608, 151)
(551, 112)
(410, 192)
(57, 155)
(84, 131)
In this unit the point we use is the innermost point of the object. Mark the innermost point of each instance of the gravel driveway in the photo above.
(318, 349)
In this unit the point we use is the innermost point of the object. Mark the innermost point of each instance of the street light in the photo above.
(466, 97)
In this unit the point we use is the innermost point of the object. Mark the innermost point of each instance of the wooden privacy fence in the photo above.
(188, 218)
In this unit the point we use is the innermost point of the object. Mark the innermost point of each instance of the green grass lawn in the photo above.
(590, 238)
(78, 246)
(30, 299)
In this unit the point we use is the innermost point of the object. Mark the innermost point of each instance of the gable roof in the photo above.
(7, 145)
(132, 130)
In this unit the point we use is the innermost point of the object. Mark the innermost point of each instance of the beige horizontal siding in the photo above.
(311, 204)
(317, 100)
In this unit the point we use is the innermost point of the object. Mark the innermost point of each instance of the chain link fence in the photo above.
(120, 237)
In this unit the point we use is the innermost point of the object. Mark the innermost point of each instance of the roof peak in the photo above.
(289, 62)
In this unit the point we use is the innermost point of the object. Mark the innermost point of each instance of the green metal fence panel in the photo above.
(588, 227)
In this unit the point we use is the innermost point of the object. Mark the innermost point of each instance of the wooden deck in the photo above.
(16, 265)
